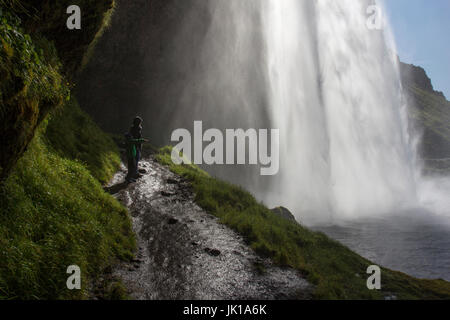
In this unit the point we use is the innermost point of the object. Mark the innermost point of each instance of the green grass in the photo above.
(432, 112)
(53, 209)
(116, 290)
(39, 58)
(336, 271)
(72, 134)
(54, 213)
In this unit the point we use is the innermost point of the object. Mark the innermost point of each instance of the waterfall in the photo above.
(336, 95)
(315, 71)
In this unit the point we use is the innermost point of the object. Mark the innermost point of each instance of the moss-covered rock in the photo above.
(53, 209)
(30, 87)
(34, 39)
(284, 213)
(48, 18)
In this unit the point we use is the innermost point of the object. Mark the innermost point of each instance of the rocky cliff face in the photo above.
(416, 76)
(33, 81)
(48, 18)
(430, 111)
(141, 63)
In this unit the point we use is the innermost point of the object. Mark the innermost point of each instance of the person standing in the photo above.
(134, 149)
(136, 132)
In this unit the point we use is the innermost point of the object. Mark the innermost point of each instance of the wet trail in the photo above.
(185, 253)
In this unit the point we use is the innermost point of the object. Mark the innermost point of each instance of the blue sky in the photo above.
(422, 33)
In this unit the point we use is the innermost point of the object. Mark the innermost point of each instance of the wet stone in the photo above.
(172, 181)
(167, 194)
(212, 252)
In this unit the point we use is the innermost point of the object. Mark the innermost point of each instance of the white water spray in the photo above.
(314, 70)
(336, 93)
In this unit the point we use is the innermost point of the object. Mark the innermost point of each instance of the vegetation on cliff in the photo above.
(47, 18)
(30, 87)
(73, 134)
(430, 111)
(38, 57)
(53, 210)
(54, 213)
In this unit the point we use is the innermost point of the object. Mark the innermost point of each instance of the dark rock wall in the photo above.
(131, 70)
(49, 17)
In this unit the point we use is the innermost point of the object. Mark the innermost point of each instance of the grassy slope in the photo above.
(38, 54)
(72, 133)
(54, 213)
(337, 272)
(432, 112)
(53, 210)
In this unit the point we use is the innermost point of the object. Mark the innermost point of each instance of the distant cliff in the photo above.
(430, 111)
(416, 76)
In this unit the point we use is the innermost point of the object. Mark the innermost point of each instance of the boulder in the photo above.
(284, 213)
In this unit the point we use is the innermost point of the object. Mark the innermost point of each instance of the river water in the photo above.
(415, 242)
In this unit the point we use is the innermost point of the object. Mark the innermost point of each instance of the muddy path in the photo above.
(185, 253)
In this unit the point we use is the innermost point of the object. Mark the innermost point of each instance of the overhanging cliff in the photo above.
(38, 58)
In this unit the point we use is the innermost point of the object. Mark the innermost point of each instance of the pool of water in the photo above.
(417, 243)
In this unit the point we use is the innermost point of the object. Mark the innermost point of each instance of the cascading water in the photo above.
(314, 70)
(336, 95)
(318, 73)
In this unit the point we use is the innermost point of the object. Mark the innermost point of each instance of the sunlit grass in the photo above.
(72, 134)
(54, 213)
